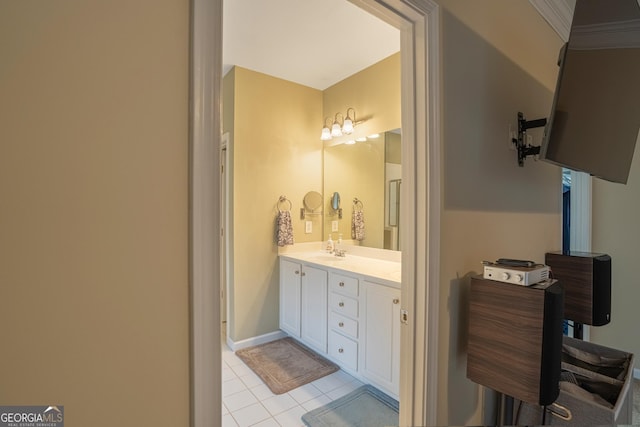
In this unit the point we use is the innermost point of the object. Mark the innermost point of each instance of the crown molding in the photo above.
(558, 13)
(610, 35)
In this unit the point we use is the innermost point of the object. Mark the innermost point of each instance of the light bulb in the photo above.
(347, 127)
(326, 134)
(335, 129)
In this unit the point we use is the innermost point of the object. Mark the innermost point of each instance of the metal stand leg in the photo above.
(508, 410)
(578, 330)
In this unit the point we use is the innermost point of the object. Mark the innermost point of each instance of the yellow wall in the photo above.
(616, 232)
(373, 92)
(393, 148)
(276, 151)
(356, 171)
(94, 197)
(499, 57)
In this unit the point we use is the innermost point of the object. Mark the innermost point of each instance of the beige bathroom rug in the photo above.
(285, 364)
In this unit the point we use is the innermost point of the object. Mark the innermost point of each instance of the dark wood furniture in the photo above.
(586, 278)
(515, 338)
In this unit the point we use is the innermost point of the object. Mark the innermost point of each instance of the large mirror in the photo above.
(367, 175)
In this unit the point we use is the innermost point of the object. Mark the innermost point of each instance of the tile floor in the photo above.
(247, 401)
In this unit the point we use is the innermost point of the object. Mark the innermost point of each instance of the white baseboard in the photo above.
(249, 342)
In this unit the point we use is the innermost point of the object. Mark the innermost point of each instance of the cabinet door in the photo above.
(290, 274)
(314, 308)
(381, 355)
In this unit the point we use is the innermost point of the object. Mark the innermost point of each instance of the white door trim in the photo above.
(580, 215)
(225, 281)
(580, 221)
(204, 222)
(418, 21)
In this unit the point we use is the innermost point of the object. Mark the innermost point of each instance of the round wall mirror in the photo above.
(312, 200)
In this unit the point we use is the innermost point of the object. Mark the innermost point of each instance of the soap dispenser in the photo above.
(330, 245)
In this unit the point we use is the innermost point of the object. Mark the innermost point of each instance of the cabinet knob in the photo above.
(396, 300)
(341, 350)
(341, 284)
(341, 304)
(341, 324)
(297, 272)
(303, 274)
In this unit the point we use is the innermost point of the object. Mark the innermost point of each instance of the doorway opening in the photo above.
(418, 22)
(576, 225)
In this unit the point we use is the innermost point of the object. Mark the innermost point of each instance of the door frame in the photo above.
(205, 132)
(418, 21)
(224, 228)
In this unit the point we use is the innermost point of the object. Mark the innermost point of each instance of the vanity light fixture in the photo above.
(341, 125)
(347, 125)
(326, 132)
(336, 129)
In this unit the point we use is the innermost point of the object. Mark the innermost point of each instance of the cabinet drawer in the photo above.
(343, 324)
(343, 284)
(343, 305)
(344, 350)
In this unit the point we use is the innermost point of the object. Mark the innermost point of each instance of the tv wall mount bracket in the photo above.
(524, 149)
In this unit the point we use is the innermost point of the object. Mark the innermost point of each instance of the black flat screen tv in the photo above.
(595, 118)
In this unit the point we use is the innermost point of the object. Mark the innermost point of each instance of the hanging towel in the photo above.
(357, 225)
(285, 228)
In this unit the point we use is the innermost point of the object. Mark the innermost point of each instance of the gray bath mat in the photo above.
(285, 364)
(364, 407)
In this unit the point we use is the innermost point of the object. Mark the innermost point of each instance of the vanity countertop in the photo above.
(387, 272)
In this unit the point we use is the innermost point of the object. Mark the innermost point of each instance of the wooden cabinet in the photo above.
(514, 341)
(381, 339)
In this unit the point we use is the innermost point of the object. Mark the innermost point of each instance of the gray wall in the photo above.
(616, 232)
(499, 57)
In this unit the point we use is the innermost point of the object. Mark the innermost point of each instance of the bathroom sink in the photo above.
(325, 258)
(354, 263)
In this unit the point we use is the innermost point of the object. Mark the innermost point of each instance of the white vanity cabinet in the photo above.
(381, 336)
(290, 290)
(303, 303)
(351, 317)
(344, 308)
(313, 296)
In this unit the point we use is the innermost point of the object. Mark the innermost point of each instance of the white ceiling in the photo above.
(316, 43)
